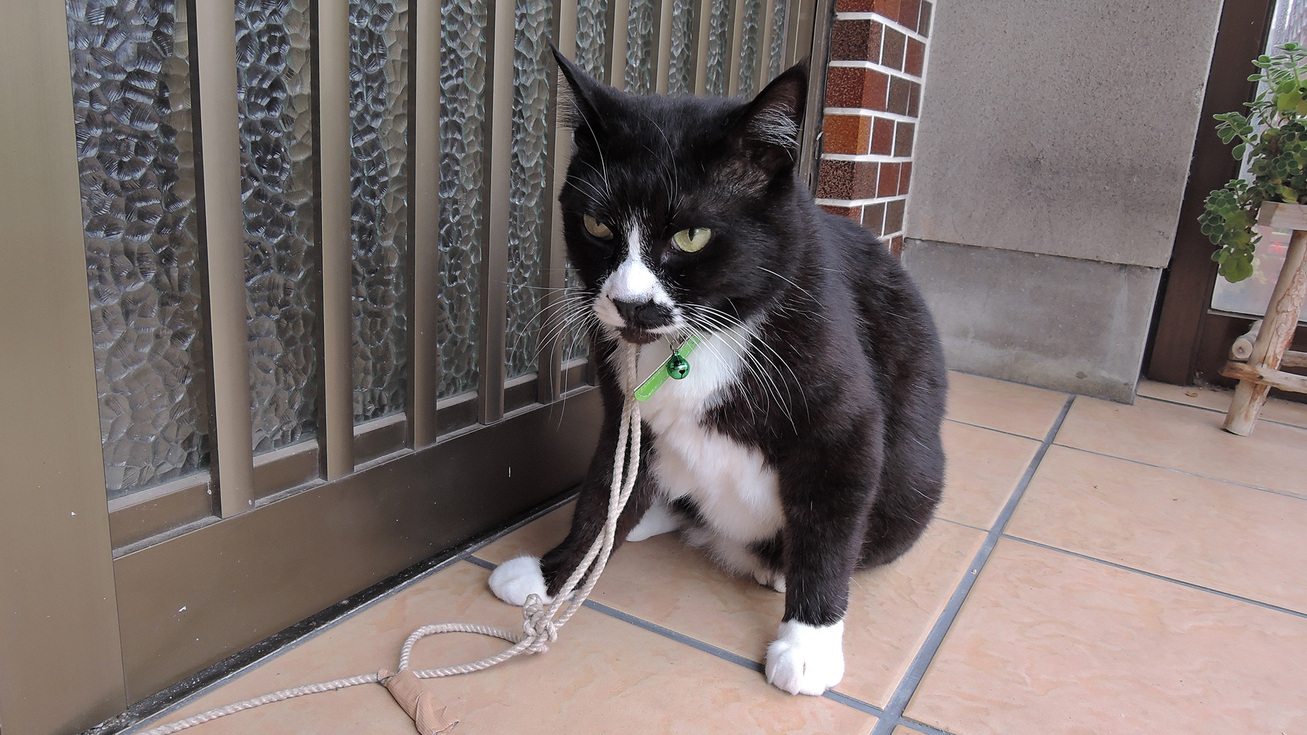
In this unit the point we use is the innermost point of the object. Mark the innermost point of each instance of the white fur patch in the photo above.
(517, 579)
(659, 519)
(736, 492)
(633, 282)
(806, 659)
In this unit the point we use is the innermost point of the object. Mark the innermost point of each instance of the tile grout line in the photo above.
(1234, 483)
(907, 686)
(1174, 402)
(1160, 577)
(695, 643)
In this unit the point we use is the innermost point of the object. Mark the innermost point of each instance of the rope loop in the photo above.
(538, 625)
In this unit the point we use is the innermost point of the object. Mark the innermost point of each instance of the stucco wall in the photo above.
(1061, 127)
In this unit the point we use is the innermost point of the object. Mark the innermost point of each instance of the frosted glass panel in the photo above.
(379, 212)
(719, 44)
(776, 56)
(681, 67)
(462, 189)
(135, 156)
(641, 55)
(276, 142)
(529, 199)
(592, 37)
(751, 38)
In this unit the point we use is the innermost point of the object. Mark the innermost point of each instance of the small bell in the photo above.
(678, 367)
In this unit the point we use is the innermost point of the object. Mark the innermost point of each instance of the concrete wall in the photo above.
(1062, 128)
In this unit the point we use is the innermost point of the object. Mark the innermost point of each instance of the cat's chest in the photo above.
(734, 488)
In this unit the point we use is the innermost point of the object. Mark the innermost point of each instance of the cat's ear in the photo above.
(769, 127)
(583, 97)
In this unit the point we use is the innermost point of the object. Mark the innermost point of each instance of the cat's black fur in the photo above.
(848, 412)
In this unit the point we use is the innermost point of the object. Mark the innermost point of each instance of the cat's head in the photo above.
(679, 213)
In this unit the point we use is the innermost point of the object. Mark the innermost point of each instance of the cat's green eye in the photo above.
(692, 240)
(597, 228)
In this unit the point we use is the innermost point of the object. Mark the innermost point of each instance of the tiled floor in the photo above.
(1095, 568)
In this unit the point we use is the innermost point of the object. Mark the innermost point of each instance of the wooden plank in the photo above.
(1282, 216)
(1265, 377)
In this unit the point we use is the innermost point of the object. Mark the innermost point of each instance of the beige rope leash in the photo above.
(539, 629)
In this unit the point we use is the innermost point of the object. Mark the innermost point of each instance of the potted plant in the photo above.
(1273, 139)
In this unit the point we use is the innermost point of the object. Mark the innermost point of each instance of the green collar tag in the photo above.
(676, 367)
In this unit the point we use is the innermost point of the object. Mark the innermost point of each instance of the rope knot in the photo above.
(539, 628)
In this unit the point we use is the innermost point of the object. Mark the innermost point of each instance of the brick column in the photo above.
(873, 98)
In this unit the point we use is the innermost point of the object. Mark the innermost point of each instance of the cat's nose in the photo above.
(643, 314)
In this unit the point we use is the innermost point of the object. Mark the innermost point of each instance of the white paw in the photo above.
(516, 579)
(806, 659)
(659, 519)
(768, 578)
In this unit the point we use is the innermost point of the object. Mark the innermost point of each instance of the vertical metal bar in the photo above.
(554, 258)
(333, 170)
(737, 48)
(60, 655)
(701, 48)
(425, 245)
(621, 14)
(494, 261)
(764, 45)
(222, 225)
(815, 35)
(663, 46)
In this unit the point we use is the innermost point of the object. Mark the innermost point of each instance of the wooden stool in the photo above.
(1271, 336)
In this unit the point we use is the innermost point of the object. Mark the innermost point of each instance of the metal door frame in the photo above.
(85, 632)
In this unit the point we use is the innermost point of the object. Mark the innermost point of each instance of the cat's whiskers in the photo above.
(763, 354)
(706, 333)
(750, 359)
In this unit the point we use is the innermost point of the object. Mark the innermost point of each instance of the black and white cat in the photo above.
(805, 441)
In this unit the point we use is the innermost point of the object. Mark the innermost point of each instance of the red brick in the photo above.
(894, 216)
(866, 175)
(835, 180)
(853, 6)
(846, 134)
(853, 213)
(856, 40)
(903, 139)
(887, 8)
(873, 218)
(914, 100)
(854, 87)
(891, 54)
(895, 247)
(882, 136)
(905, 177)
(888, 182)
(908, 13)
(898, 99)
(924, 18)
(916, 57)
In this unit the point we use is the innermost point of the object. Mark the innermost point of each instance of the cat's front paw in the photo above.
(806, 659)
(517, 579)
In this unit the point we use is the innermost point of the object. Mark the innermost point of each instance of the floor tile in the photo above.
(982, 469)
(1218, 399)
(1049, 643)
(602, 676)
(998, 404)
(891, 609)
(1191, 440)
(1210, 533)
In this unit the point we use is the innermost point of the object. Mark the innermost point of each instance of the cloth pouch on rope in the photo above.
(428, 712)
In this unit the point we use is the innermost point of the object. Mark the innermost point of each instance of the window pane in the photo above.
(379, 213)
(529, 198)
(132, 108)
(276, 139)
(462, 189)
